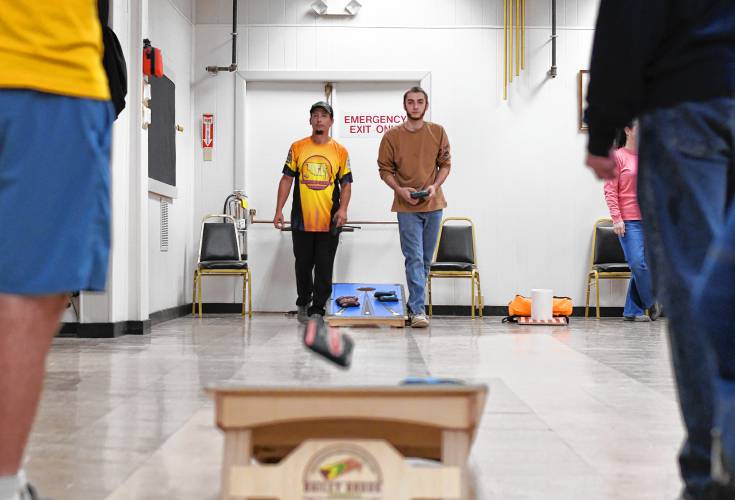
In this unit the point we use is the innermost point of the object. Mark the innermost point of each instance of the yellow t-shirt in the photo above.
(319, 170)
(52, 46)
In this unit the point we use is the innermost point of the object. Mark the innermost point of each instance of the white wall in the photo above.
(141, 279)
(518, 164)
(171, 30)
(127, 267)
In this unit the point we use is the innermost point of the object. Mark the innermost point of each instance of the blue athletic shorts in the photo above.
(54, 192)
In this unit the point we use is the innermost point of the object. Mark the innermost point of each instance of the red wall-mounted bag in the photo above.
(152, 60)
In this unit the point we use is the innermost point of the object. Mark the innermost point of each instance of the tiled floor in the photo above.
(580, 412)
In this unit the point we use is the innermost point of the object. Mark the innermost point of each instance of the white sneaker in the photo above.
(638, 319)
(419, 321)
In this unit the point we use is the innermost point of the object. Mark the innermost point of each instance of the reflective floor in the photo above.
(580, 412)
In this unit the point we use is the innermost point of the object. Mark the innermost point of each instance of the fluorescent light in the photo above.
(353, 7)
(319, 7)
(339, 8)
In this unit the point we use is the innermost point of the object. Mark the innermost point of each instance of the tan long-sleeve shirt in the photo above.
(414, 158)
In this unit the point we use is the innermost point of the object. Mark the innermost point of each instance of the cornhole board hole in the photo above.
(371, 311)
(310, 443)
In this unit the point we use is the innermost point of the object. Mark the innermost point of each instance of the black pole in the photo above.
(233, 65)
(552, 71)
(234, 34)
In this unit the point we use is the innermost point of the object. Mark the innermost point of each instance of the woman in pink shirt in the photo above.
(622, 200)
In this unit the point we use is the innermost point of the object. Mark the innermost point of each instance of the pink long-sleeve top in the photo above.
(621, 193)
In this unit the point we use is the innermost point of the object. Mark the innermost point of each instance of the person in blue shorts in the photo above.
(55, 121)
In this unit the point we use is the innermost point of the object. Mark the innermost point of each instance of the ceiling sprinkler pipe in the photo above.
(233, 65)
(552, 71)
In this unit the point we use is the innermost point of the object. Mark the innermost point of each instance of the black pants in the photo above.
(314, 254)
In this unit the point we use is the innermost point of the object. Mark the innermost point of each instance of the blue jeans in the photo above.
(685, 157)
(418, 231)
(640, 290)
(715, 302)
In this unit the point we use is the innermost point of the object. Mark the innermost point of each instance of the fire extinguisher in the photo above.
(152, 60)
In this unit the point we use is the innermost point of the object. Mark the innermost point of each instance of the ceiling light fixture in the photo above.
(353, 7)
(319, 7)
(336, 7)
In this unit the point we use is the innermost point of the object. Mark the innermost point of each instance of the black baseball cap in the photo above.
(322, 105)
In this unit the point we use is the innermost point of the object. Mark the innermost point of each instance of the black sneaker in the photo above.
(655, 311)
(302, 314)
(723, 487)
(28, 493)
(715, 491)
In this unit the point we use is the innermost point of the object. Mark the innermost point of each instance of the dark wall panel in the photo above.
(162, 131)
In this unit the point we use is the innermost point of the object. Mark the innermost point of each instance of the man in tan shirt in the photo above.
(414, 161)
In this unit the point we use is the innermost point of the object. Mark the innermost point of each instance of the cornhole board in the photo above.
(325, 440)
(371, 311)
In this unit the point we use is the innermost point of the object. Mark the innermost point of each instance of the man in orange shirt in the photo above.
(321, 167)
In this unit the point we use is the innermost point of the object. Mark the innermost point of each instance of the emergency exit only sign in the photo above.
(369, 124)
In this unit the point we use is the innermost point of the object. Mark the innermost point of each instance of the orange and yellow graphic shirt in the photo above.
(319, 170)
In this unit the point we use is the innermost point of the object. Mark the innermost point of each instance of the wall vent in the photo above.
(164, 225)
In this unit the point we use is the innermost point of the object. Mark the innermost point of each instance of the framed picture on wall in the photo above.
(583, 80)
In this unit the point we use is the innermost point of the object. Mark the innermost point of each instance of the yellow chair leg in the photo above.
(250, 294)
(194, 296)
(480, 305)
(244, 283)
(472, 289)
(597, 292)
(199, 293)
(587, 299)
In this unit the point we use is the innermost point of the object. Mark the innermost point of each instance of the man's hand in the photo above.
(432, 192)
(603, 166)
(340, 217)
(405, 194)
(619, 228)
(278, 221)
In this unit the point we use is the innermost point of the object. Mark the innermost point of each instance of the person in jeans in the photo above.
(715, 301)
(622, 201)
(55, 130)
(321, 167)
(672, 64)
(415, 157)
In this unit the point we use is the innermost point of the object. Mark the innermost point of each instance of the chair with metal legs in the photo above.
(220, 255)
(455, 257)
(606, 262)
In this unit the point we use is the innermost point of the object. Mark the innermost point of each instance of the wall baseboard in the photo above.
(104, 330)
(441, 310)
(171, 313)
(112, 330)
(605, 312)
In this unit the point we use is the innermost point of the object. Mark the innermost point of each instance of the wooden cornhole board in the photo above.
(371, 311)
(325, 439)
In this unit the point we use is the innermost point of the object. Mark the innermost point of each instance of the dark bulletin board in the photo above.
(162, 131)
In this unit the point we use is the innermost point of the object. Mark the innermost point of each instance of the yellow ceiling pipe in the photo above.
(514, 40)
(505, 49)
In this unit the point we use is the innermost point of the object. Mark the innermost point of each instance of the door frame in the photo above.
(243, 77)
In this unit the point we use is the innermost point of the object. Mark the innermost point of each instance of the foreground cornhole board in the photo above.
(358, 469)
(371, 311)
(344, 438)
